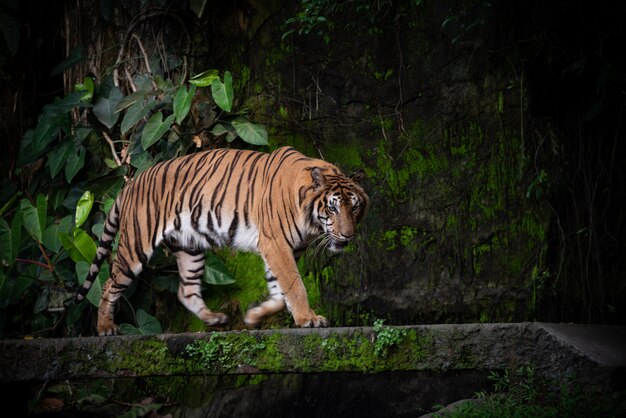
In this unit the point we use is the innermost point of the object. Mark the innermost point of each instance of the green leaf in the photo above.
(205, 78)
(155, 129)
(182, 102)
(58, 157)
(83, 207)
(142, 161)
(135, 113)
(61, 107)
(6, 244)
(10, 237)
(75, 161)
(74, 313)
(196, 6)
(80, 246)
(147, 325)
(215, 271)
(9, 240)
(75, 56)
(108, 204)
(14, 289)
(131, 99)
(223, 92)
(225, 128)
(45, 131)
(11, 29)
(51, 238)
(105, 107)
(34, 219)
(97, 229)
(86, 88)
(252, 133)
(139, 411)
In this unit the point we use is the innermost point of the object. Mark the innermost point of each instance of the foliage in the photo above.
(318, 16)
(83, 149)
(219, 353)
(521, 393)
(386, 337)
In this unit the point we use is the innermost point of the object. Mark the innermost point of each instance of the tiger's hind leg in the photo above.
(113, 288)
(274, 304)
(191, 268)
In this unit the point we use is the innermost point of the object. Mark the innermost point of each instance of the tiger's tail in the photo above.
(109, 231)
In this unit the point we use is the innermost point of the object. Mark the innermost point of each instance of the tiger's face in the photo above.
(339, 207)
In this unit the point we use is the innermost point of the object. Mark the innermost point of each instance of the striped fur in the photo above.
(272, 204)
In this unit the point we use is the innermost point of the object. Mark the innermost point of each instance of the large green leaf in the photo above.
(146, 325)
(141, 410)
(62, 107)
(6, 241)
(79, 245)
(224, 128)
(131, 99)
(75, 161)
(58, 156)
(215, 271)
(135, 113)
(76, 55)
(105, 107)
(83, 207)
(205, 78)
(197, 6)
(182, 102)
(34, 218)
(9, 240)
(45, 131)
(155, 129)
(87, 88)
(11, 30)
(14, 289)
(51, 238)
(223, 92)
(251, 132)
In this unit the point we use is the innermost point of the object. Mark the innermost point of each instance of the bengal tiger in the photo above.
(274, 204)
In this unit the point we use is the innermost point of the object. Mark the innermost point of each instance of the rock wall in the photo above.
(431, 101)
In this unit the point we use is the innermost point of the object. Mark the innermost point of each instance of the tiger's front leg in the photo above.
(281, 263)
(274, 303)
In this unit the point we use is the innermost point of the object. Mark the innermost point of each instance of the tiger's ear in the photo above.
(357, 176)
(318, 177)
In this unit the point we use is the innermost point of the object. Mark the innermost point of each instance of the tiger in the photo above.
(272, 204)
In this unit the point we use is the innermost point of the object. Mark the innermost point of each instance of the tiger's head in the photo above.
(339, 204)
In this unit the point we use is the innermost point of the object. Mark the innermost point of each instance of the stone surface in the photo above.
(299, 372)
(556, 350)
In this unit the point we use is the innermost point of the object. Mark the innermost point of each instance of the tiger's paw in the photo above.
(107, 330)
(315, 321)
(253, 317)
(215, 319)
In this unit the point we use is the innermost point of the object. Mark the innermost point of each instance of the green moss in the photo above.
(271, 357)
(345, 154)
(149, 356)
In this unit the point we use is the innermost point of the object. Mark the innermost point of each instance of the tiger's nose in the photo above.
(347, 237)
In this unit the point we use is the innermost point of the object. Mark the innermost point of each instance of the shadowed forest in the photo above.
(490, 134)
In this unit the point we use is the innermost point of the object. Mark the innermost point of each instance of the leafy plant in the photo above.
(522, 393)
(386, 337)
(146, 325)
(83, 149)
